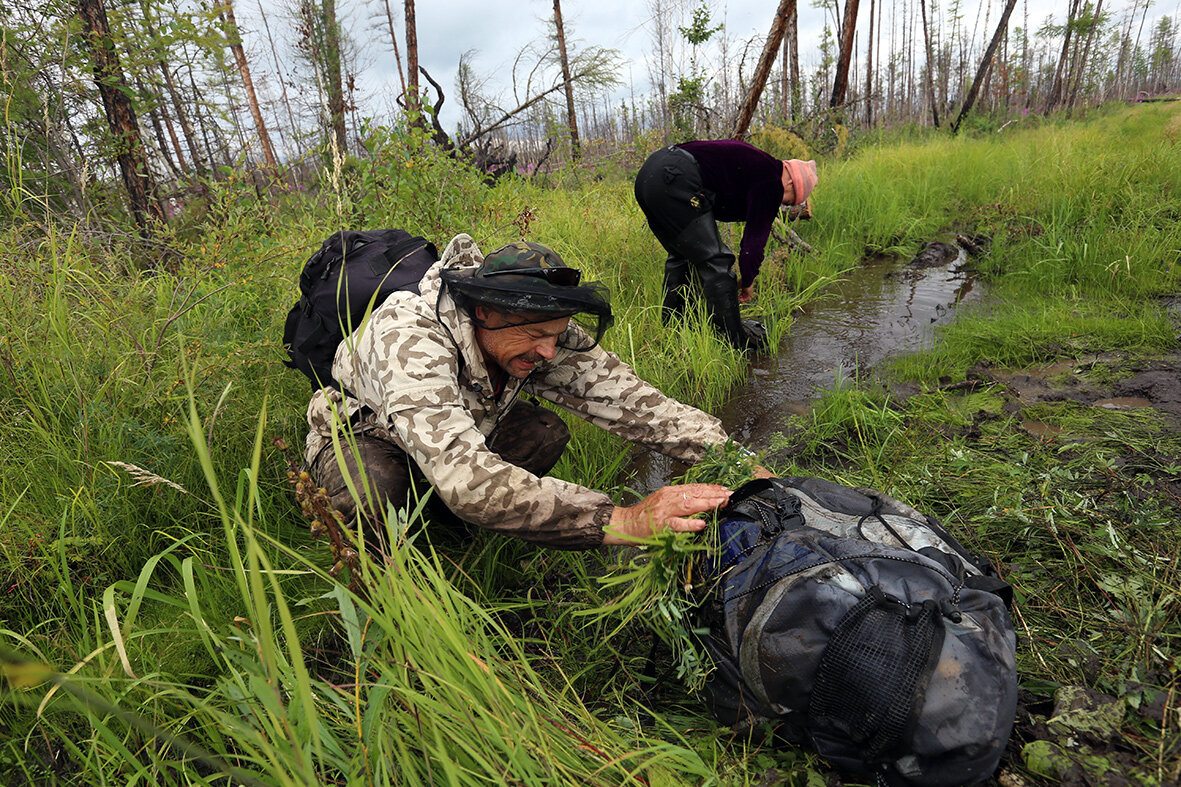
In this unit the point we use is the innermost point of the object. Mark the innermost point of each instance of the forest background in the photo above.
(169, 617)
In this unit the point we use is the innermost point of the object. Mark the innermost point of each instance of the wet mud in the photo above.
(1136, 384)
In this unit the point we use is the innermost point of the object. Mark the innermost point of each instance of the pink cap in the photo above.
(803, 177)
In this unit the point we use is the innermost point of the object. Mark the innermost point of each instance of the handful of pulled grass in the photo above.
(661, 586)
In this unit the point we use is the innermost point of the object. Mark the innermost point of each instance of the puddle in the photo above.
(1123, 403)
(884, 308)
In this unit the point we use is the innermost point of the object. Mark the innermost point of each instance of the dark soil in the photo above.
(1139, 383)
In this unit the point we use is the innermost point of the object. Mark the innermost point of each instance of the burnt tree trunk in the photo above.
(841, 84)
(332, 75)
(571, 118)
(869, 72)
(1072, 96)
(389, 18)
(173, 97)
(158, 130)
(279, 76)
(930, 65)
(235, 42)
(411, 59)
(182, 116)
(786, 9)
(985, 65)
(1060, 71)
(793, 44)
(112, 87)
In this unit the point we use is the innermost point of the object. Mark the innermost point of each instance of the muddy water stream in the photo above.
(881, 309)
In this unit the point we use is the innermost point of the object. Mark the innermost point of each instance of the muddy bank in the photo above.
(1110, 381)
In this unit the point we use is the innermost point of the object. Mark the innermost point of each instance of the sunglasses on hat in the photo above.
(560, 277)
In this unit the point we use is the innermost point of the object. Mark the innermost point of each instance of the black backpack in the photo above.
(351, 275)
(858, 626)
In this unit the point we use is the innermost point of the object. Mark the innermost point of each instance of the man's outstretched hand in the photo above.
(670, 507)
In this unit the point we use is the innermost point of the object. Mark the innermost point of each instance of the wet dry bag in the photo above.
(858, 626)
(351, 274)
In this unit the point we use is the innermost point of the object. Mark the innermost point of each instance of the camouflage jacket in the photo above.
(416, 366)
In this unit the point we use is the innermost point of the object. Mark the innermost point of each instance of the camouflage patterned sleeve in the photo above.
(419, 400)
(598, 386)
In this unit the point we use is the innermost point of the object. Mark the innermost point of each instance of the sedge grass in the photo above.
(92, 371)
(427, 687)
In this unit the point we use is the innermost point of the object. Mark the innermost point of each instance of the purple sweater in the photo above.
(748, 186)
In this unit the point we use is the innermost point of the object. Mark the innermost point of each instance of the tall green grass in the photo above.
(154, 557)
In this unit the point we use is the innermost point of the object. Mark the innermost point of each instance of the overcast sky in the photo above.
(498, 29)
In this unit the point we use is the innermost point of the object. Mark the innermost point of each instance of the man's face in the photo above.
(522, 345)
(789, 190)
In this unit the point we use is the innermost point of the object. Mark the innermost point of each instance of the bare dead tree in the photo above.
(848, 28)
(793, 45)
(441, 137)
(279, 75)
(869, 71)
(571, 119)
(759, 80)
(1060, 72)
(178, 105)
(784, 83)
(985, 65)
(124, 127)
(162, 145)
(509, 115)
(332, 72)
(1096, 20)
(930, 65)
(411, 58)
(389, 18)
(234, 40)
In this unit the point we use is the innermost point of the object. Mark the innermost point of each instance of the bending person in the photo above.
(437, 386)
(684, 190)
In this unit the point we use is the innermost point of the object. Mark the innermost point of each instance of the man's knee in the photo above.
(531, 437)
(378, 472)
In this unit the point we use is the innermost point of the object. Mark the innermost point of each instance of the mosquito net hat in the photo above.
(531, 280)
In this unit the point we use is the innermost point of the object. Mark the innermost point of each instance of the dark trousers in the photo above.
(679, 210)
(527, 435)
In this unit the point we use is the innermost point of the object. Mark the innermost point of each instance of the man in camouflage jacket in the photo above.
(433, 381)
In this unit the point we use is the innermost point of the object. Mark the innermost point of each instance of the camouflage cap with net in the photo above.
(521, 254)
(528, 278)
